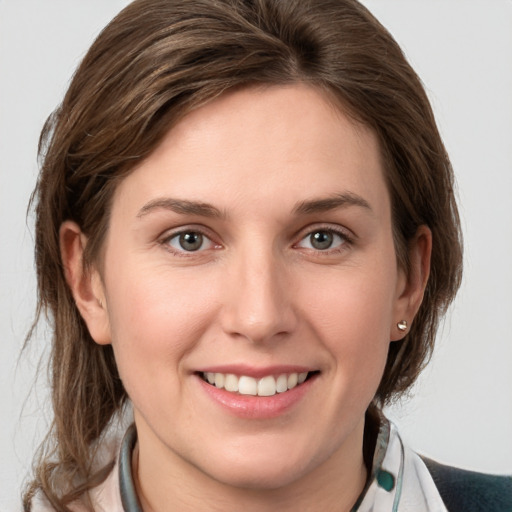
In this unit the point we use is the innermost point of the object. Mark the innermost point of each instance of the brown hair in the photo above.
(155, 62)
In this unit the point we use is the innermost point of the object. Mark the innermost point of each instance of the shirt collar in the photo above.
(399, 480)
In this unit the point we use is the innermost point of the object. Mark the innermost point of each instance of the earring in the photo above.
(402, 325)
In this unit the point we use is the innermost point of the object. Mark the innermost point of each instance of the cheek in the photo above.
(354, 305)
(352, 316)
(155, 319)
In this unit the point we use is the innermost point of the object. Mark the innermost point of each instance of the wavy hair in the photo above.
(154, 63)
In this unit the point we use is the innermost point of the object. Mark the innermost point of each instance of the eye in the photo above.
(323, 240)
(189, 241)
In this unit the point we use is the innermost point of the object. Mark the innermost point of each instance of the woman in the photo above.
(246, 229)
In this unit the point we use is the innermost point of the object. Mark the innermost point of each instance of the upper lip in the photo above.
(256, 372)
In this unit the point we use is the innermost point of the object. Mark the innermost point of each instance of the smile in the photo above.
(265, 386)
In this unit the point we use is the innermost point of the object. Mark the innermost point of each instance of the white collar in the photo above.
(400, 480)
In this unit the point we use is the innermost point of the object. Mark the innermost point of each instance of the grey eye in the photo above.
(188, 241)
(191, 241)
(321, 240)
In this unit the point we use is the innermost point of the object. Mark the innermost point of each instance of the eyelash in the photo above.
(207, 238)
(346, 240)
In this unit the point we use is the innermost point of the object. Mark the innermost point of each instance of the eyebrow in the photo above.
(180, 206)
(331, 203)
(185, 207)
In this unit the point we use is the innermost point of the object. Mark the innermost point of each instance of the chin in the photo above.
(259, 469)
(258, 479)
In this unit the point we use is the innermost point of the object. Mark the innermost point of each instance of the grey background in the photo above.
(461, 410)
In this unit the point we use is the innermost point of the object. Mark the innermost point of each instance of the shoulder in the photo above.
(104, 498)
(470, 491)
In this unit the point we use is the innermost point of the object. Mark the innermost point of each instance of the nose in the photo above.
(258, 300)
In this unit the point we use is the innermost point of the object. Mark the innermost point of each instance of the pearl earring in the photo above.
(402, 325)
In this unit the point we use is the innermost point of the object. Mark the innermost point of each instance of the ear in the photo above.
(411, 285)
(85, 284)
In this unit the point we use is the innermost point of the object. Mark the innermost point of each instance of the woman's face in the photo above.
(252, 248)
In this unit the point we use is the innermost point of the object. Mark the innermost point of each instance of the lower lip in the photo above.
(257, 407)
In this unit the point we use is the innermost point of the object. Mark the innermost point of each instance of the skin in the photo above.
(256, 293)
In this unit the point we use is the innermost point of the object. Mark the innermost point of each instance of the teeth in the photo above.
(247, 386)
(231, 383)
(282, 384)
(293, 378)
(219, 380)
(266, 386)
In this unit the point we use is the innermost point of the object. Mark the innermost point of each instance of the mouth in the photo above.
(268, 385)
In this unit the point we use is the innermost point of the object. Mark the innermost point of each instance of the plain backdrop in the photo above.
(460, 412)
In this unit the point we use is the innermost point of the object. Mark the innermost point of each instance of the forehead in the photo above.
(272, 142)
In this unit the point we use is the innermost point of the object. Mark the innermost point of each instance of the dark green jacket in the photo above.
(469, 491)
